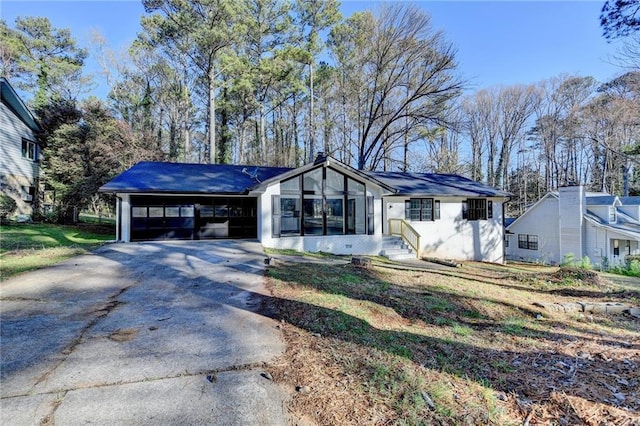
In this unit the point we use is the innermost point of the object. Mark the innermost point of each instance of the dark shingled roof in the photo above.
(436, 184)
(624, 223)
(159, 177)
(180, 178)
(601, 200)
(630, 201)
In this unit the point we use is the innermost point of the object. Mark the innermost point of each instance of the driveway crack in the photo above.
(48, 420)
(100, 312)
(210, 375)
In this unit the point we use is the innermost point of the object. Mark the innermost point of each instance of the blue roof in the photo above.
(436, 185)
(624, 223)
(630, 201)
(601, 200)
(509, 220)
(180, 178)
(10, 98)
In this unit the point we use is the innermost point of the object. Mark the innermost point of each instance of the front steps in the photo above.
(394, 248)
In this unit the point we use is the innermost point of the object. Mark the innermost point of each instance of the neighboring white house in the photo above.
(321, 206)
(604, 227)
(19, 150)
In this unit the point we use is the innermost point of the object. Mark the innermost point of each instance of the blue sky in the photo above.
(499, 42)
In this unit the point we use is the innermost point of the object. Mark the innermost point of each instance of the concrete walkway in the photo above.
(150, 333)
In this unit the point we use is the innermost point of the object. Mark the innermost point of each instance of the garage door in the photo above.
(160, 218)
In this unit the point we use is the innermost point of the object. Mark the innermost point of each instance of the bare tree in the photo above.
(406, 79)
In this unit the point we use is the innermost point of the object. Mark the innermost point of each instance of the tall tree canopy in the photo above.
(620, 18)
(44, 60)
(199, 29)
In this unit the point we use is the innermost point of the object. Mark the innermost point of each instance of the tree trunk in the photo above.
(312, 121)
(212, 116)
(187, 137)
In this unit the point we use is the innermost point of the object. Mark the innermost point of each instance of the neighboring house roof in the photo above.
(11, 99)
(601, 200)
(624, 224)
(509, 220)
(630, 201)
(180, 178)
(436, 185)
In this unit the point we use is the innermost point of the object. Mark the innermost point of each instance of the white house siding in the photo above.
(600, 246)
(600, 211)
(596, 243)
(633, 211)
(336, 244)
(543, 223)
(15, 170)
(452, 237)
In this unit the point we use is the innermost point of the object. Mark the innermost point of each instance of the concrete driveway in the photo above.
(149, 333)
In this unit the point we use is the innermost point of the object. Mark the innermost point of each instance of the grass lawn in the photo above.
(24, 247)
(453, 346)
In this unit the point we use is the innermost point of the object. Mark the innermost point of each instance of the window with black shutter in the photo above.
(422, 209)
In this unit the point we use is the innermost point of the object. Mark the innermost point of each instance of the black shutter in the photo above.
(370, 225)
(275, 216)
(436, 210)
(489, 209)
(465, 210)
(407, 210)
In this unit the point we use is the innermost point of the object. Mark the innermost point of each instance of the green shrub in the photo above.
(584, 263)
(632, 258)
(570, 260)
(631, 268)
(7, 206)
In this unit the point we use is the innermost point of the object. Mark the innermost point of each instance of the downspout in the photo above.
(504, 230)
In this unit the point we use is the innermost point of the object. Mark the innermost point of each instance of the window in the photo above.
(477, 209)
(422, 209)
(612, 214)
(506, 241)
(139, 211)
(28, 193)
(528, 242)
(321, 201)
(29, 149)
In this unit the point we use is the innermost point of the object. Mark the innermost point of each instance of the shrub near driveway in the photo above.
(24, 247)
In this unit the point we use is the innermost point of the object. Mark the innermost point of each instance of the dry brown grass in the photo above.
(373, 346)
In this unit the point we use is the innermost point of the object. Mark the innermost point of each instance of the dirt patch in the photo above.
(372, 347)
(123, 335)
(586, 276)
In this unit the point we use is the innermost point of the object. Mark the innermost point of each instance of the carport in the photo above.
(166, 201)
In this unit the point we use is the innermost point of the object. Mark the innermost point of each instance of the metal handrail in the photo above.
(402, 228)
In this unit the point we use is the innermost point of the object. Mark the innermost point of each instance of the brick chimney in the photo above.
(320, 157)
